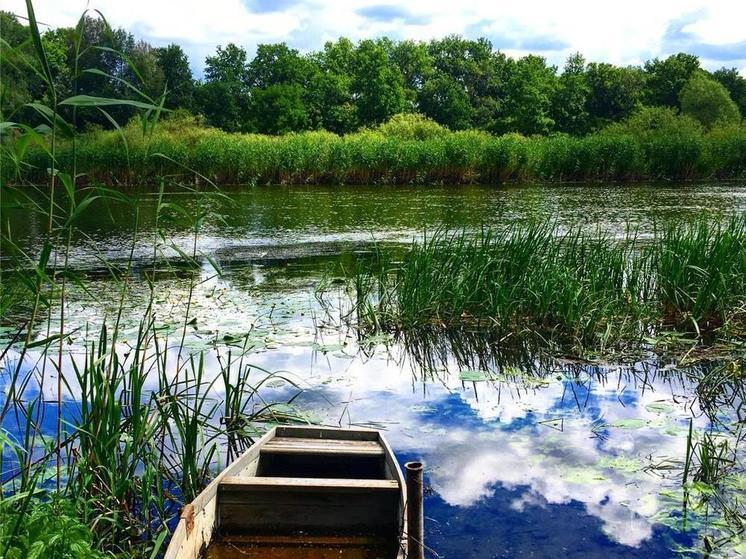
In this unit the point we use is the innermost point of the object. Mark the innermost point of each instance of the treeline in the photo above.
(459, 83)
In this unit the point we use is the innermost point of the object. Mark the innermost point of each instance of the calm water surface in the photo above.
(526, 456)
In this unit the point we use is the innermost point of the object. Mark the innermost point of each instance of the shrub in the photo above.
(408, 126)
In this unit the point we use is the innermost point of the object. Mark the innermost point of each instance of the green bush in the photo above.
(408, 126)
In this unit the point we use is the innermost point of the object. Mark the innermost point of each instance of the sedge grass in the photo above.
(586, 288)
(136, 428)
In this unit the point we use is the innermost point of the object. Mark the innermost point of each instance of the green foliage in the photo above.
(666, 78)
(530, 87)
(735, 83)
(615, 92)
(279, 109)
(379, 86)
(227, 65)
(443, 99)
(48, 529)
(708, 101)
(411, 127)
(570, 101)
(673, 145)
(653, 143)
(460, 83)
(177, 76)
(590, 289)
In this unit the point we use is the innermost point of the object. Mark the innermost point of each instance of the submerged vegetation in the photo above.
(590, 290)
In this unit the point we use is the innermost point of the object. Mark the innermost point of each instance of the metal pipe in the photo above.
(415, 516)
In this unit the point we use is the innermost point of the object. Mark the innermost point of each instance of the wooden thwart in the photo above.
(310, 484)
(298, 445)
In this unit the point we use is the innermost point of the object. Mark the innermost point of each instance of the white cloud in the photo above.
(621, 33)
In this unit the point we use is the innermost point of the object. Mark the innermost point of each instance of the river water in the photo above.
(527, 455)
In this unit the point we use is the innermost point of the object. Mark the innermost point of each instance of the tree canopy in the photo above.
(457, 82)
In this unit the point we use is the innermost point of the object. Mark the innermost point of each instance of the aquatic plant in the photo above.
(117, 433)
(650, 146)
(587, 288)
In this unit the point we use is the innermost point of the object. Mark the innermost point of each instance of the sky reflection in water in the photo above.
(547, 459)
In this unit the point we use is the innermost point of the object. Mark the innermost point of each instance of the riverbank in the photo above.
(655, 145)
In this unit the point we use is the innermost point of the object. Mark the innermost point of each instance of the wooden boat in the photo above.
(301, 492)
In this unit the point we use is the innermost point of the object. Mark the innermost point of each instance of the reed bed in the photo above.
(385, 156)
(102, 439)
(591, 289)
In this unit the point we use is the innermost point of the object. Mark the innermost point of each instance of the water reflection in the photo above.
(527, 455)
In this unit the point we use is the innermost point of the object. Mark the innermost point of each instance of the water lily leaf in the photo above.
(632, 423)
(659, 407)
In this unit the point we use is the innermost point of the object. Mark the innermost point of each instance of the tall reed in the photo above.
(124, 433)
(386, 156)
(589, 288)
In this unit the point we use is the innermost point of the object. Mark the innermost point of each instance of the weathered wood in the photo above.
(303, 445)
(310, 484)
(190, 544)
(353, 487)
(328, 433)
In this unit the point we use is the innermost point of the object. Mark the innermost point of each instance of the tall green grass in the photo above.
(589, 288)
(396, 154)
(102, 441)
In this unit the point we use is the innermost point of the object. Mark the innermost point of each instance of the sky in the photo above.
(620, 32)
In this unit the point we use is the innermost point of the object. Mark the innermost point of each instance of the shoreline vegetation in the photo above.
(101, 444)
(654, 144)
(450, 110)
(588, 292)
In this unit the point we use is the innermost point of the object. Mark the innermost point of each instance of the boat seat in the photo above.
(311, 505)
(309, 484)
(297, 445)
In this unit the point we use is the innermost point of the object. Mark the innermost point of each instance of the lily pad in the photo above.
(632, 423)
(659, 407)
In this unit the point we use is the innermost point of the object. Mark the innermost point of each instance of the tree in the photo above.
(529, 91)
(415, 65)
(279, 108)
(149, 72)
(224, 98)
(569, 104)
(224, 105)
(16, 77)
(227, 65)
(174, 65)
(277, 64)
(378, 86)
(666, 78)
(615, 92)
(331, 103)
(735, 83)
(445, 100)
(707, 100)
(479, 71)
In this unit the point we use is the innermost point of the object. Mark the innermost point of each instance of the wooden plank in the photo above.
(309, 484)
(327, 433)
(270, 513)
(302, 445)
(303, 540)
(312, 505)
(394, 471)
